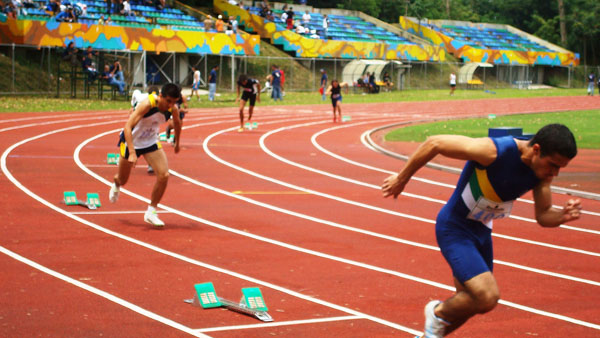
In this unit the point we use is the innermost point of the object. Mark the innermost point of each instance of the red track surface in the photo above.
(311, 230)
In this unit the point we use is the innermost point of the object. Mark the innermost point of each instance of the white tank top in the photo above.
(145, 132)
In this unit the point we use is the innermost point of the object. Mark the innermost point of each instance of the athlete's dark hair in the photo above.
(171, 90)
(242, 78)
(555, 139)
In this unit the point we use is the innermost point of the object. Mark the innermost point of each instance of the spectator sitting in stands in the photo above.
(108, 21)
(109, 77)
(67, 15)
(284, 16)
(53, 6)
(300, 29)
(70, 54)
(101, 20)
(89, 68)
(117, 70)
(387, 81)
(126, 9)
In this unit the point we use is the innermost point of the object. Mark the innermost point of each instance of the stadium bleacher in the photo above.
(148, 17)
(341, 27)
(490, 38)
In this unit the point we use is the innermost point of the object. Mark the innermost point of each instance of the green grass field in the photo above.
(582, 123)
(9, 104)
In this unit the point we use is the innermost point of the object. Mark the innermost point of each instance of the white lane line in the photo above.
(192, 261)
(103, 294)
(115, 212)
(18, 184)
(286, 323)
(364, 205)
(365, 232)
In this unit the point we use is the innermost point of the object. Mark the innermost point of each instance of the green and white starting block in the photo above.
(346, 118)
(112, 158)
(93, 201)
(162, 137)
(251, 125)
(251, 304)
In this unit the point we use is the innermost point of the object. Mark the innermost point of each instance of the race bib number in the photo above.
(486, 210)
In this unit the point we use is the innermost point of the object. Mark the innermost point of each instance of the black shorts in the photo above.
(124, 150)
(334, 100)
(249, 96)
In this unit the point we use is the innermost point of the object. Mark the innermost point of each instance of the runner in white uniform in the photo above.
(140, 137)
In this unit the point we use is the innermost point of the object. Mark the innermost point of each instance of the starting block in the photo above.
(251, 125)
(251, 304)
(112, 158)
(93, 201)
(162, 137)
(346, 118)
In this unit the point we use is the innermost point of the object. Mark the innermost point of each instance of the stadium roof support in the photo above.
(356, 68)
(465, 73)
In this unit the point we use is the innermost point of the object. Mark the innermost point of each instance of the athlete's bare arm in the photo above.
(176, 126)
(328, 91)
(481, 150)
(545, 214)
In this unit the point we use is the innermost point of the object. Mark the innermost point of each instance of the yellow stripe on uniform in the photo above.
(152, 99)
(122, 148)
(486, 187)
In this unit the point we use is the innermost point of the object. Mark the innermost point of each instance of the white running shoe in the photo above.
(435, 327)
(152, 217)
(113, 194)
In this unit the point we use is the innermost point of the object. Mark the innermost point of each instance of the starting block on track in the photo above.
(112, 158)
(162, 137)
(251, 125)
(346, 118)
(251, 304)
(70, 198)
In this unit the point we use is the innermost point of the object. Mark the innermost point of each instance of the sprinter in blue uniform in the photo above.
(498, 171)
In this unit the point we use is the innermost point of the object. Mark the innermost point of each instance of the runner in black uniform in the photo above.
(336, 98)
(251, 92)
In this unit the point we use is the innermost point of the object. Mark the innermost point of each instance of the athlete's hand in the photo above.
(132, 158)
(237, 99)
(392, 186)
(572, 210)
(258, 98)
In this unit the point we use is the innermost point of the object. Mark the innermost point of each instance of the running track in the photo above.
(293, 208)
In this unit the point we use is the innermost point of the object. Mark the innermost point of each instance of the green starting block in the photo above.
(112, 158)
(70, 198)
(93, 201)
(251, 304)
(251, 125)
(162, 137)
(346, 118)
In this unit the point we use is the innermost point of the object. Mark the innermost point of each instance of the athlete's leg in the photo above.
(250, 111)
(242, 104)
(158, 160)
(123, 171)
(338, 106)
(169, 128)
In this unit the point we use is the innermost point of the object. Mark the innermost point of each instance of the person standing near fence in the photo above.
(323, 84)
(497, 172)
(276, 83)
(591, 81)
(195, 82)
(250, 92)
(212, 83)
(452, 83)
